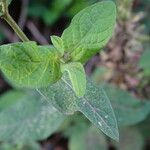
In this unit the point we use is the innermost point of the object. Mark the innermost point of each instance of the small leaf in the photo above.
(90, 30)
(25, 117)
(58, 44)
(95, 104)
(29, 65)
(77, 76)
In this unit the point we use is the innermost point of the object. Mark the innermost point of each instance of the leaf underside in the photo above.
(94, 104)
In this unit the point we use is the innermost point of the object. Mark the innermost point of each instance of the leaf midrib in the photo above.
(87, 101)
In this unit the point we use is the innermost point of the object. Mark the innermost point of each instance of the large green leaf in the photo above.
(77, 77)
(128, 109)
(94, 104)
(25, 117)
(86, 138)
(89, 30)
(130, 138)
(29, 65)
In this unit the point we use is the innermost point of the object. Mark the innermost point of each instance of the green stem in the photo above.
(15, 27)
(6, 16)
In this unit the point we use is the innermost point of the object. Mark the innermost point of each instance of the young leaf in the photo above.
(24, 117)
(77, 76)
(58, 44)
(29, 65)
(90, 30)
(95, 104)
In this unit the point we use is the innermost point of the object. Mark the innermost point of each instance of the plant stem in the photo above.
(15, 27)
(6, 16)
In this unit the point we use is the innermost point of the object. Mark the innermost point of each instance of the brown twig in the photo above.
(36, 33)
(7, 32)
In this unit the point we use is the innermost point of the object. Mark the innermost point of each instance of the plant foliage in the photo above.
(57, 74)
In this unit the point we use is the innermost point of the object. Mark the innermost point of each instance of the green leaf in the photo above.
(29, 65)
(94, 104)
(90, 30)
(19, 146)
(144, 62)
(58, 44)
(128, 109)
(144, 128)
(78, 5)
(87, 138)
(130, 138)
(78, 139)
(9, 1)
(52, 14)
(24, 117)
(77, 76)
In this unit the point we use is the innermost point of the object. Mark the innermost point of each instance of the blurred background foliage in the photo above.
(122, 68)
